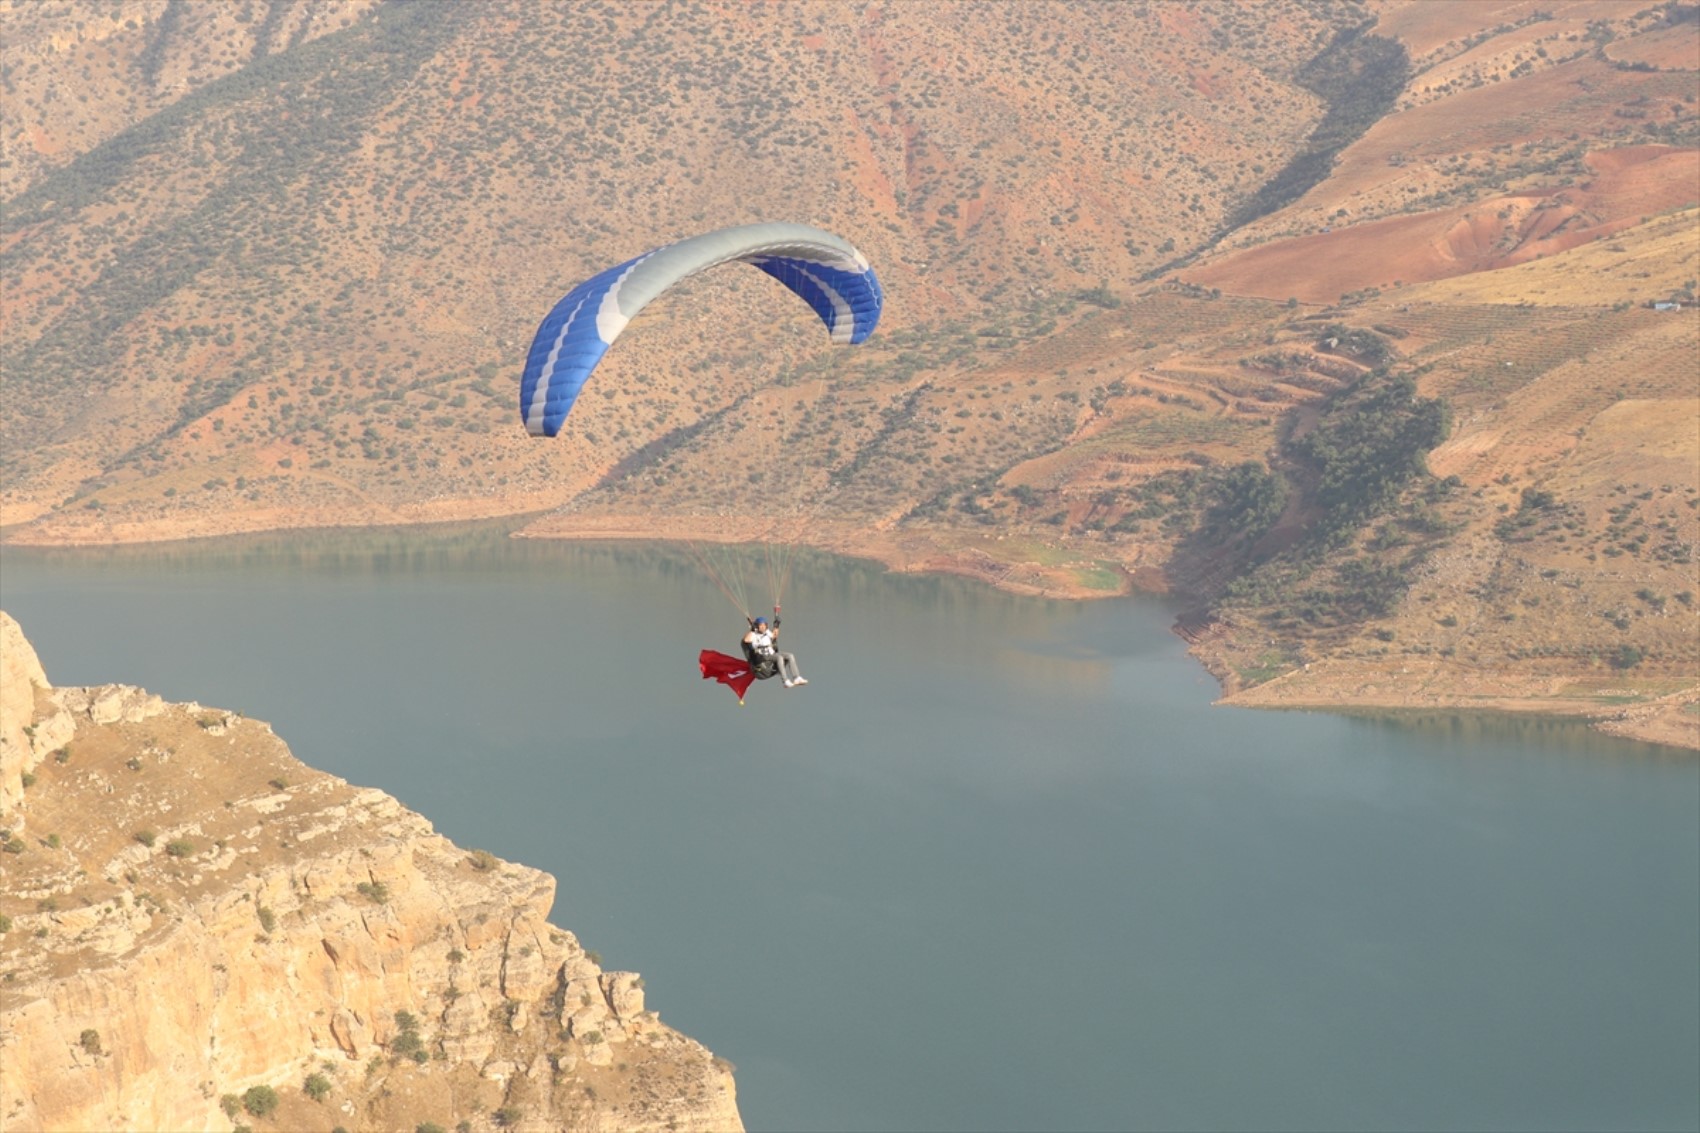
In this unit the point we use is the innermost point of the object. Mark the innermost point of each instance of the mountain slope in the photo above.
(368, 225)
(1153, 271)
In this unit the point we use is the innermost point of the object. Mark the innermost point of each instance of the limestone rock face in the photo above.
(194, 913)
(26, 733)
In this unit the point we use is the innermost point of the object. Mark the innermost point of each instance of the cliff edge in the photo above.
(198, 931)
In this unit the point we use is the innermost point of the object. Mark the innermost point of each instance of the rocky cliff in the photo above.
(197, 931)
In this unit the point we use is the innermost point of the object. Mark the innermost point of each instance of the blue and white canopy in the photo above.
(830, 275)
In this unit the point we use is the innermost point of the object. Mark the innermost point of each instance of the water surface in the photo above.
(1001, 865)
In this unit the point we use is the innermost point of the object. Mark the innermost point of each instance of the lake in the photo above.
(1001, 865)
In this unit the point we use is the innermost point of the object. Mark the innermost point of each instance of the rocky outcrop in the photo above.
(31, 724)
(200, 931)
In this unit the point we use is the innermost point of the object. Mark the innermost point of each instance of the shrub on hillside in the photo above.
(260, 1101)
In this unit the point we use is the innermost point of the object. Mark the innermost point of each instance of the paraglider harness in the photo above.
(762, 665)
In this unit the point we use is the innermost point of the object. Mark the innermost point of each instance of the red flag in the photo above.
(733, 672)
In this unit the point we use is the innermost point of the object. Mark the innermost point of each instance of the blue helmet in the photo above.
(761, 621)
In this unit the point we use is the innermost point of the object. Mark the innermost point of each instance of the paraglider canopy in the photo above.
(825, 270)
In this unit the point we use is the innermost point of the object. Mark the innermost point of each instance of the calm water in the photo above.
(1000, 866)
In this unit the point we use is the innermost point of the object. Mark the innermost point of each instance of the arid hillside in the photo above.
(80, 74)
(303, 288)
(1335, 318)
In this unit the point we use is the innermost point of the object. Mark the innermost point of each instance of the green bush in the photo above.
(146, 837)
(180, 847)
(317, 1087)
(260, 1101)
(407, 1043)
(89, 1040)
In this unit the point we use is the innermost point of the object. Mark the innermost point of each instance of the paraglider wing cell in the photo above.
(826, 271)
(848, 302)
(733, 672)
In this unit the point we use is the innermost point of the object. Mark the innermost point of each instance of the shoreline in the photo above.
(1671, 720)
